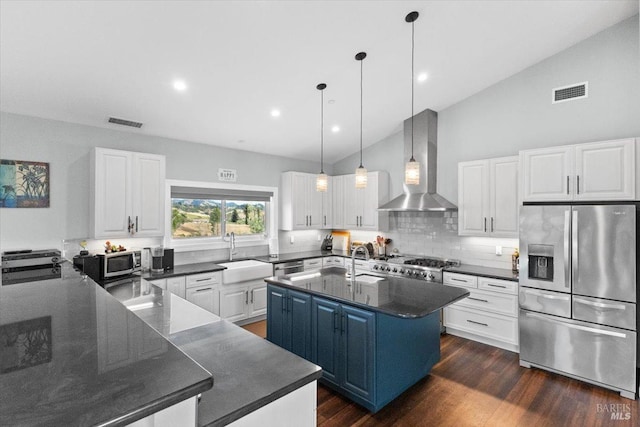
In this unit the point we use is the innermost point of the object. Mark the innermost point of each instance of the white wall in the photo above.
(67, 146)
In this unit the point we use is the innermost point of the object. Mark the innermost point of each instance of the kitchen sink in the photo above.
(241, 271)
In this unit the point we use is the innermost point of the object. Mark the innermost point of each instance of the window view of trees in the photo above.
(192, 218)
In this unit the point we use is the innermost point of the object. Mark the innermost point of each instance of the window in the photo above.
(201, 213)
(193, 218)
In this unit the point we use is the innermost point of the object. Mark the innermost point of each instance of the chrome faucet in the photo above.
(232, 245)
(353, 260)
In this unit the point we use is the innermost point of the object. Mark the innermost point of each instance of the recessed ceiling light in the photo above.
(275, 113)
(422, 77)
(179, 85)
(332, 101)
(335, 128)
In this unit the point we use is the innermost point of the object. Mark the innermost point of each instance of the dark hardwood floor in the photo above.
(479, 385)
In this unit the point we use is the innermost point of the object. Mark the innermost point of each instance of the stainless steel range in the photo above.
(414, 267)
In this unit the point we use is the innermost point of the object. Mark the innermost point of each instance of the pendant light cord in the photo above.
(321, 131)
(361, 111)
(412, 78)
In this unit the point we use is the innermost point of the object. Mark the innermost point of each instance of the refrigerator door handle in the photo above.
(567, 233)
(575, 258)
(578, 327)
(599, 304)
(541, 295)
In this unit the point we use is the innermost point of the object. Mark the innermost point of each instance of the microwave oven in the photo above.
(105, 267)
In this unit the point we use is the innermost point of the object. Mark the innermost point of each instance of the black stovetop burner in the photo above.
(426, 262)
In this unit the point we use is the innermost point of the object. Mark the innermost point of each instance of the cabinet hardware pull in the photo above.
(251, 296)
(205, 289)
(496, 286)
(567, 184)
(458, 280)
(310, 220)
(246, 297)
(129, 224)
(335, 321)
(478, 299)
(578, 183)
(325, 220)
(492, 224)
(485, 224)
(203, 280)
(343, 324)
(136, 223)
(477, 323)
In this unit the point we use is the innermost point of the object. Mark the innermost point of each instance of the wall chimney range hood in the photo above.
(421, 197)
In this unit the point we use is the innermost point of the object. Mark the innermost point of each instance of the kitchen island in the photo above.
(373, 337)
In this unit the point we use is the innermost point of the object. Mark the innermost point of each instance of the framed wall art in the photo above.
(24, 184)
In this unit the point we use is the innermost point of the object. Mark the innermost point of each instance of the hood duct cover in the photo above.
(422, 197)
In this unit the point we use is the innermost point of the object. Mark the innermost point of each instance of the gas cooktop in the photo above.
(415, 267)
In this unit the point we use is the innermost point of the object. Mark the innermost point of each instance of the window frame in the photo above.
(202, 243)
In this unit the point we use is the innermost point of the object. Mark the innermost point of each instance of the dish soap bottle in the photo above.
(515, 260)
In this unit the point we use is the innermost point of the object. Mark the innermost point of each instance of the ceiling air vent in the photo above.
(125, 122)
(570, 93)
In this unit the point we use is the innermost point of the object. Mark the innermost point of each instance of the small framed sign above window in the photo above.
(227, 175)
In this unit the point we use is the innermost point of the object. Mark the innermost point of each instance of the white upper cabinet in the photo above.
(127, 194)
(338, 200)
(361, 204)
(301, 205)
(488, 197)
(605, 170)
(583, 172)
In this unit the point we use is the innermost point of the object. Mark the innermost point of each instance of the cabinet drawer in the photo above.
(491, 302)
(334, 261)
(203, 279)
(495, 326)
(312, 264)
(497, 285)
(457, 279)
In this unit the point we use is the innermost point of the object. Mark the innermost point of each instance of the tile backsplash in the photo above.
(436, 234)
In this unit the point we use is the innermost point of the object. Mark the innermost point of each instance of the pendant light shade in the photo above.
(361, 172)
(322, 181)
(412, 167)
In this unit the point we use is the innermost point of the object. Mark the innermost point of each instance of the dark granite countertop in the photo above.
(490, 272)
(396, 296)
(183, 270)
(73, 355)
(249, 372)
(297, 256)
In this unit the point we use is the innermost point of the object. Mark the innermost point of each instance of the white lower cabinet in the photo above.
(312, 264)
(244, 300)
(489, 314)
(177, 286)
(206, 296)
(203, 290)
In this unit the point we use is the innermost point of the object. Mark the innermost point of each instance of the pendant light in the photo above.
(412, 167)
(322, 180)
(361, 172)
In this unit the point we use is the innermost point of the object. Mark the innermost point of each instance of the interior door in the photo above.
(604, 251)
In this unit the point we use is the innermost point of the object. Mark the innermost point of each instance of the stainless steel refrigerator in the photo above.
(578, 293)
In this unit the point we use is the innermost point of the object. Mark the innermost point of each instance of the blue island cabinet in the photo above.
(289, 320)
(368, 356)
